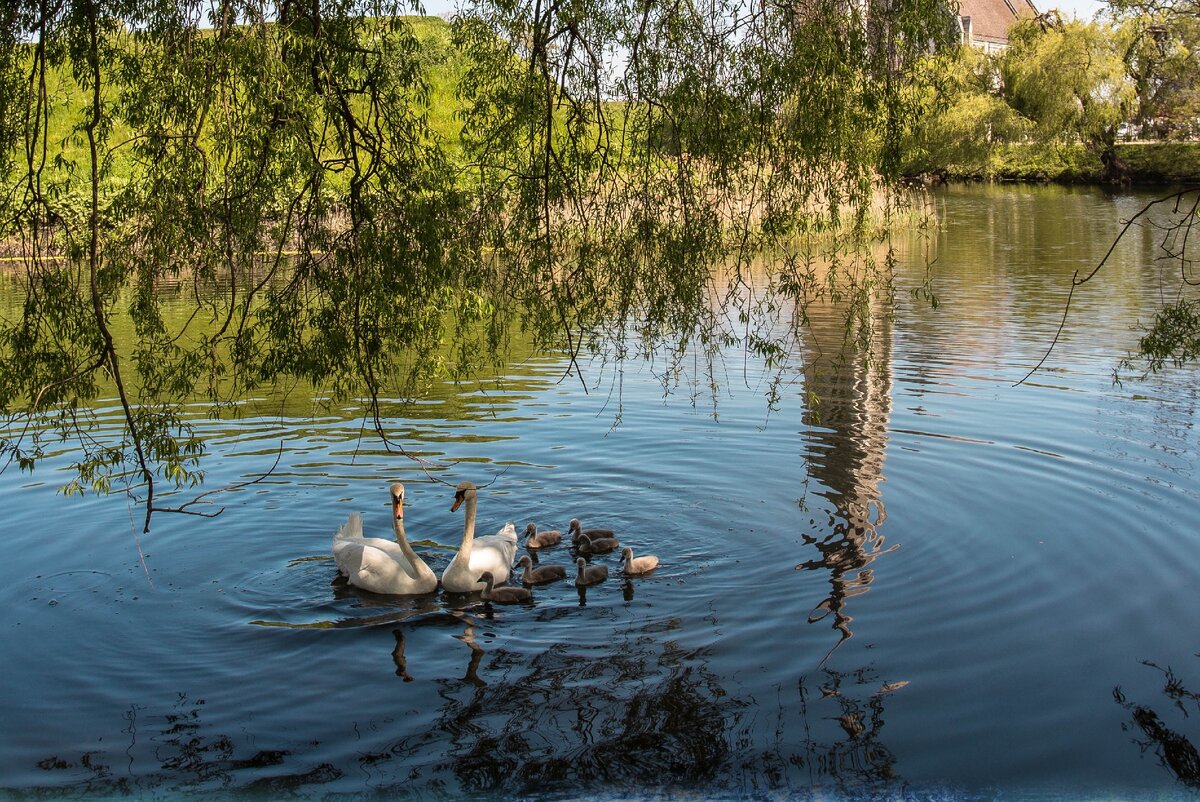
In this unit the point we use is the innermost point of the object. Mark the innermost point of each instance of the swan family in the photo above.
(482, 564)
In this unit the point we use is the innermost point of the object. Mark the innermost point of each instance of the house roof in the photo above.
(991, 19)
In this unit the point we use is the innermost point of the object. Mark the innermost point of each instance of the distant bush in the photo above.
(1162, 162)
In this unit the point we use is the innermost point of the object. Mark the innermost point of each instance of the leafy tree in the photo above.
(1068, 77)
(1163, 58)
(271, 164)
(210, 154)
(965, 116)
(1164, 38)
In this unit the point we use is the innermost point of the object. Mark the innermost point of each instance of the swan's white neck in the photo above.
(468, 538)
(402, 538)
(416, 567)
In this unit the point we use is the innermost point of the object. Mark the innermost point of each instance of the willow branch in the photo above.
(202, 498)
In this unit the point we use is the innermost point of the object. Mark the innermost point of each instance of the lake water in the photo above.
(928, 584)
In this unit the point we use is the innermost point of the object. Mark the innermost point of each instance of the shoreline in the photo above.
(1144, 164)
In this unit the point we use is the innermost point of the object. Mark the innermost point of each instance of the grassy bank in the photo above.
(1162, 162)
(1146, 163)
(1066, 164)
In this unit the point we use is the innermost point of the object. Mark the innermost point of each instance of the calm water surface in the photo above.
(928, 584)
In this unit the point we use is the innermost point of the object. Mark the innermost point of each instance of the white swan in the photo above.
(493, 553)
(379, 565)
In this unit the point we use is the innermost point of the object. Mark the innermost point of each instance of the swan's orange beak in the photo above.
(458, 499)
(398, 508)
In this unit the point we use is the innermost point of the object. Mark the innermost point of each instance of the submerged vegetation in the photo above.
(298, 176)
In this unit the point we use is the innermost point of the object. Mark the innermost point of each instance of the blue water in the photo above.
(910, 579)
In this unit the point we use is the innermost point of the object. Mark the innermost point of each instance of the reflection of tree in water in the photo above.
(845, 553)
(849, 382)
(1174, 751)
(648, 714)
(641, 714)
(97, 775)
(186, 757)
(577, 717)
(854, 756)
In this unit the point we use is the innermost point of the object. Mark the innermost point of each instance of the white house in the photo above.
(985, 23)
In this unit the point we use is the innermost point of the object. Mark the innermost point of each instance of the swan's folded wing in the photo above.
(494, 554)
(351, 530)
(347, 554)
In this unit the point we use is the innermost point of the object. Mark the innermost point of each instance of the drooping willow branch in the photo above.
(280, 172)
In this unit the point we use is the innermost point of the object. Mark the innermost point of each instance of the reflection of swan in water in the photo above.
(540, 540)
(542, 574)
(589, 574)
(472, 675)
(493, 553)
(398, 656)
(379, 565)
(637, 565)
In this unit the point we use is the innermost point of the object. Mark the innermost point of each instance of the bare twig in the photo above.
(1182, 226)
(202, 498)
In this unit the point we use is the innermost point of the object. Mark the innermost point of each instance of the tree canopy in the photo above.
(273, 167)
(1069, 79)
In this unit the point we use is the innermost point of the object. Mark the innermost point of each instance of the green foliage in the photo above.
(1163, 162)
(1047, 108)
(1069, 79)
(301, 179)
(1164, 47)
(1040, 160)
(1052, 113)
(617, 155)
(1161, 55)
(306, 134)
(1174, 337)
(964, 120)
